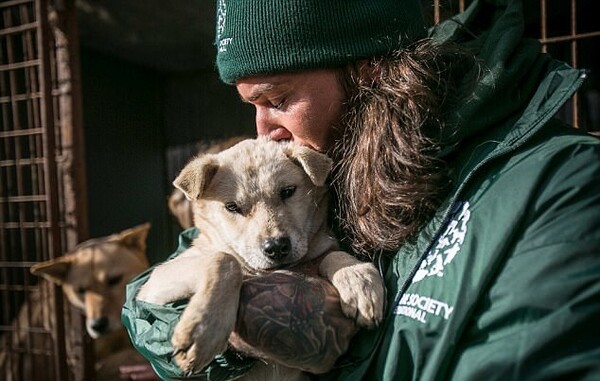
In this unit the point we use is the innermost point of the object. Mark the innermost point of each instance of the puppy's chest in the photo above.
(310, 267)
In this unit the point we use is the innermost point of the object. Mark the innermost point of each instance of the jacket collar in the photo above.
(518, 82)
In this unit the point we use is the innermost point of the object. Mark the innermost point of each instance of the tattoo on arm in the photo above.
(293, 319)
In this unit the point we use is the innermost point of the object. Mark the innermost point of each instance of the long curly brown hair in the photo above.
(389, 178)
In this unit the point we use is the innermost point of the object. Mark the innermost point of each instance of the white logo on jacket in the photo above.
(447, 246)
(418, 307)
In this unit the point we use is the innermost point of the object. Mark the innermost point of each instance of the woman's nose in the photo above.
(264, 121)
(267, 124)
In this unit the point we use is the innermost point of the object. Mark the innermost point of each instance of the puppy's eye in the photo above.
(287, 192)
(81, 290)
(114, 280)
(233, 207)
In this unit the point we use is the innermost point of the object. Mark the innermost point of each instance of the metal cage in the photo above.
(42, 214)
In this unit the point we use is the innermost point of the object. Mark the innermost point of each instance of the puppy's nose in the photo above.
(100, 325)
(277, 248)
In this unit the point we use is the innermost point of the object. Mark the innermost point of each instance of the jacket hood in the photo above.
(515, 72)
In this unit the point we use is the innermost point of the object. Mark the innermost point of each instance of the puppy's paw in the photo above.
(361, 293)
(197, 341)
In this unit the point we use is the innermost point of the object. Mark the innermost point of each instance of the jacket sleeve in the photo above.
(540, 317)
(150, 327)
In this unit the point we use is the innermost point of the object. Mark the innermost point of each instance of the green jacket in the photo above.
(504, 283)
(150, 327)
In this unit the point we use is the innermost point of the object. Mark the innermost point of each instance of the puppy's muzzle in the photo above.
(277, 248)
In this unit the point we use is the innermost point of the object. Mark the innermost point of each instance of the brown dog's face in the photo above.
(260, 200)
(94, 275)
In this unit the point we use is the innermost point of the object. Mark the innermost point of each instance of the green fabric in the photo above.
(150, 328)
(523, 285)
(504, 283)
(513, 66)
(271, 36)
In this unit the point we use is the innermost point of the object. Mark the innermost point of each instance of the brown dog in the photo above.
(93, 277)
(260, 205)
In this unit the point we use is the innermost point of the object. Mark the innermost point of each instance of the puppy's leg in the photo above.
(359, 284)
(175, 279)
(210, 316)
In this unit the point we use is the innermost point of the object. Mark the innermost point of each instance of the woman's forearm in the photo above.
(293, 319)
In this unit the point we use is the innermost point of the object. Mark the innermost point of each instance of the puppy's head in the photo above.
(261, 200)
(179, 205)
(94, 274)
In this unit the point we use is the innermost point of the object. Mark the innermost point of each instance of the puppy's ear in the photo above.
(316, 165)
(195, 176)
(54, 270)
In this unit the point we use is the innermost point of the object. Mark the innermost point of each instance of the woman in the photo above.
(480, 208)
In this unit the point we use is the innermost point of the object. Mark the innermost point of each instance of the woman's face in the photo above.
(304, 107)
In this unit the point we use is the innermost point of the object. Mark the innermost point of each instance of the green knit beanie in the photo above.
(269, 36)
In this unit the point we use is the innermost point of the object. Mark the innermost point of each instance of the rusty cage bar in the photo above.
(41, 214)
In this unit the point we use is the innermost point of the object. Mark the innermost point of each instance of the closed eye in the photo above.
(287, 192)
(278, 104)
(232, 207)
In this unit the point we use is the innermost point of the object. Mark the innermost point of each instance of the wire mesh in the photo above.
(36, 178)
(568, 31)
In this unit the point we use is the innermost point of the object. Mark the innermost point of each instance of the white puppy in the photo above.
(260, 205)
